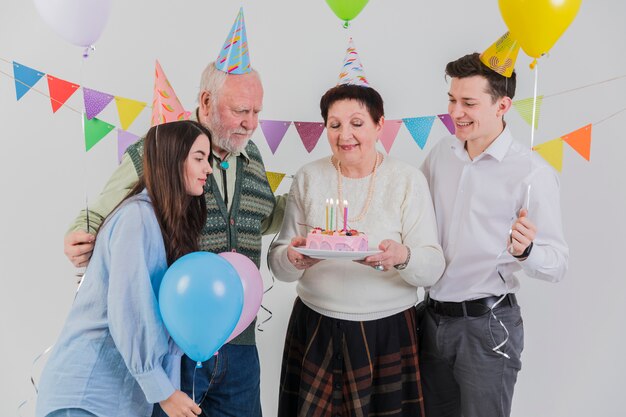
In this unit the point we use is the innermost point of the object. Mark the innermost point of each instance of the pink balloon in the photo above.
(80, 22)
(252, 289)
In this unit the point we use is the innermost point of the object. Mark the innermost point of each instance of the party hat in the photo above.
(501, 56)
(234, 57)
(165, 105)
(352, 70)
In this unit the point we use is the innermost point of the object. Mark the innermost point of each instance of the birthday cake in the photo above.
(346, 241)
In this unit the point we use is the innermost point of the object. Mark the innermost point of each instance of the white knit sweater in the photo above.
(401, 209)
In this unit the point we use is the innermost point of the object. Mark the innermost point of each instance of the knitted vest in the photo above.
(240, 230)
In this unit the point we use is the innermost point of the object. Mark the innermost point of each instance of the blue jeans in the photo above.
(71, 412)
(227, 385)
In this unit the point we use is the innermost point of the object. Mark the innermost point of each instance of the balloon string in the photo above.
(267, 261)
(32, 379)
(533, 125)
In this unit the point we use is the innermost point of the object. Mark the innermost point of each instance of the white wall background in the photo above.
(573, 364)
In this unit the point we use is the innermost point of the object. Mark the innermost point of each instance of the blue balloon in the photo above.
(201, 299)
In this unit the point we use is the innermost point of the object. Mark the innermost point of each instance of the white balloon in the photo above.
(79, 22)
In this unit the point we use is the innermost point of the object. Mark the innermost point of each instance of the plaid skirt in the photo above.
(335, 367)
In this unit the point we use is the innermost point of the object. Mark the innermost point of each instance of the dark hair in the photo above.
(471, 65)
(367, 96)
(180, 215)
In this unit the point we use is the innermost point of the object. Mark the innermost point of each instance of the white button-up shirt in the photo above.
(477, 201)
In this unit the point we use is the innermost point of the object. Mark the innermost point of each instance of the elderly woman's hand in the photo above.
(393, 253)
(297, 259)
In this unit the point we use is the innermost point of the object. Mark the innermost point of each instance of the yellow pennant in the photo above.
(525, 109)
(552, 152)
(128, 110)
(501, 55)
(274, 178)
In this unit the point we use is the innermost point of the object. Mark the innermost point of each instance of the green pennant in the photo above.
(95, 130)
(525, 109)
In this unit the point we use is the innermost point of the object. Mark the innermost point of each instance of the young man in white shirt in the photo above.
(498, 212)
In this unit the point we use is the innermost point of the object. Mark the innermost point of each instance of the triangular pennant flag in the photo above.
(128, 110)
(352, 69)
(501, 55)
(580, 140)
(25, 78)
(165, 104)
(389, 133)
(124, 140)
(60, 91)
(234, 57)
(95, 130)
(310, 133)
(552, 152)
(419, 128)
(448, 123)
(95, 102)
(274, 131)
(525, 109)
(274, 178)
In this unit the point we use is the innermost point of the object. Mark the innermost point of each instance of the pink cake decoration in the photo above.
(348, 241)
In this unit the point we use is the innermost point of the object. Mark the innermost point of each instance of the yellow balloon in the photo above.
(538, 24)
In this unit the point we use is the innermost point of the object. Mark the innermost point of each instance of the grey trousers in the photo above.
(461, 374)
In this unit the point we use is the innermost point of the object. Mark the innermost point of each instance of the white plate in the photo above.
(334, 254)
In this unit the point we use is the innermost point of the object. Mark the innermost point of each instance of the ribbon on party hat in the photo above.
(352, 70)
(234, 57)
(501, 55)
(165, 104)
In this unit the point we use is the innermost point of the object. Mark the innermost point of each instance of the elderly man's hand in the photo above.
(78, 247)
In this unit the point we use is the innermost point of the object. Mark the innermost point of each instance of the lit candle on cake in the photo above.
(345, 215)
(337, 215)
(332, 207)
(326, 215)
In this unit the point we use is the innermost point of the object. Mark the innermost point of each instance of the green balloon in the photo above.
(347, 9)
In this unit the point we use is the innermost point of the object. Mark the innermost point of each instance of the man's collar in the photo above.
(497, 150)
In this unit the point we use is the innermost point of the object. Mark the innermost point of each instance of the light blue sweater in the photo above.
(114, 356)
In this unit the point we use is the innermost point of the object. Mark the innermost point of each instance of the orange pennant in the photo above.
(580, 140)
(60, 91)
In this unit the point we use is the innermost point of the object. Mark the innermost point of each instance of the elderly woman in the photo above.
(351, 345)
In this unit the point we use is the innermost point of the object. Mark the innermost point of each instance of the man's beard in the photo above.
(222, 139)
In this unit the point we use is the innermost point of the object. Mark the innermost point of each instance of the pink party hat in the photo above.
(234, 57)
(352, 70)
(165, 105)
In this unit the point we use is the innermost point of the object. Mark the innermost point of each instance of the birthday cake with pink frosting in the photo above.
(346, 241)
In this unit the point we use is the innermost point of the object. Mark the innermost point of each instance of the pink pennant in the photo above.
(390, 131)
(124, 140)
(95, 102)
(274, 131)
(310, 133)
(447, 121)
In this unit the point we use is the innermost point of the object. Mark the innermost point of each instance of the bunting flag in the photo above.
(95, 102)
(552, 152)
(60, 91)
(25, 78)
(124, 140)
(447, 122)
(274, 178)
(389, 133)
(234, 57)
(165, 104)
(525, 109)
(128, 110)
(501, 55)
(274, 131)
(419, 128)
(580, 140)
(310, 133)
(95, 130)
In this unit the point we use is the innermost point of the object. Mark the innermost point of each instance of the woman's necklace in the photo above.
(370, 190)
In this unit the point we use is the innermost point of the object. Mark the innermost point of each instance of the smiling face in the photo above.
(477, 118)
(197, 166)
(352, 134)
(233, 116)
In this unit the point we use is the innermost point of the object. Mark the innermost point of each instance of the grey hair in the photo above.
(212, 81)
